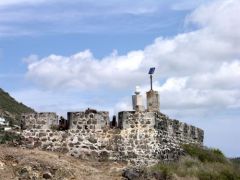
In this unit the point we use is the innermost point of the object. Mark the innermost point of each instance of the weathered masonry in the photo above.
(140, 137)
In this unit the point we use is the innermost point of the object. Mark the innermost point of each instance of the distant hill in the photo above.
(236, 160)
(10, 109)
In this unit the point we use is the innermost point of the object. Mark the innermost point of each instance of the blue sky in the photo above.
(64, 56)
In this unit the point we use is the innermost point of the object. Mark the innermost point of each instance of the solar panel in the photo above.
(151, 70)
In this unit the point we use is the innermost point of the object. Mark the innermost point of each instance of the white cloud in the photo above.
(49, 101)
(31, 59)
(200, 68)
(174, 84)
(197, 75)
(83, 71)
(225, 77)
(123, 105)
(221, 19)
(187, 5)
(38, 17)
(20, 2)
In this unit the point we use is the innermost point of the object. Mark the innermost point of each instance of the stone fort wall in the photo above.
(140, 137)
(39, 120)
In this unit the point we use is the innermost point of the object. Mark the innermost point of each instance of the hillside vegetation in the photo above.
(200, 163)
(236, 160)
(10, 109)
(197, 164)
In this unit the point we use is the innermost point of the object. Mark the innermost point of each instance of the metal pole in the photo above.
(151, 81)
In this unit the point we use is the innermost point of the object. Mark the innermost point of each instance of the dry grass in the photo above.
(15, 160)
(203, 164)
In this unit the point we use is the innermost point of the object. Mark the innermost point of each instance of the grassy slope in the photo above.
(19, 163)
(10, 108)
(203, 164)
(236, 161)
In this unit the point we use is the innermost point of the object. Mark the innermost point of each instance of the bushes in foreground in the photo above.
(236, 161)
(204, 154)
(9, 137)
(199, 163)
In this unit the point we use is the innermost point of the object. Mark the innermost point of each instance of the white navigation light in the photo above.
(137, 90)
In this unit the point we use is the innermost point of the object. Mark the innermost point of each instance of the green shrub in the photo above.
(166, 172)
(206, 175)
(204, 154)
(9, 137)
(165, 169)
(199, 163)
(227, 174)
(190, 163)
(236, 161)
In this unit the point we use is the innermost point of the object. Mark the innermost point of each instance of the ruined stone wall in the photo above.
(132, 119)
(88, 120)
(46, 139)
(39, 120)
(142, 137)
(150, 136)
(178, 131)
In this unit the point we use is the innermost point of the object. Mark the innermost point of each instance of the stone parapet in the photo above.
(88, 120)
(132, 119)
(143, 138)
(43, 120)
(153, 101)
(179, 131)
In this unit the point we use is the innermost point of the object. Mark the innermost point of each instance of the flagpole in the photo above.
(151, 81)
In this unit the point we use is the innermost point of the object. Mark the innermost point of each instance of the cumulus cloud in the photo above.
(225, 77)
(31, 59)
(220, 17)
(83, 71)
(200, 68)
(197, 75)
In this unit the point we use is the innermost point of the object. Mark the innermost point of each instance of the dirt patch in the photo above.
(18, 163)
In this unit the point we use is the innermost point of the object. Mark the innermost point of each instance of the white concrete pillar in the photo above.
(137, 100)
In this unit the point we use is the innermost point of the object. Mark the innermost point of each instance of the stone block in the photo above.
(153, 102)
(90, 119)
(43, 120)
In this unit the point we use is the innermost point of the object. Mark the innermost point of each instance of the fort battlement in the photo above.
(43, 120)
(141, 137)
(90, 119)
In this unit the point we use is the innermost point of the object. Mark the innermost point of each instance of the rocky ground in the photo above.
(18, 163)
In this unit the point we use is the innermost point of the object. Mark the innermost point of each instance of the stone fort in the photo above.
(139, 137)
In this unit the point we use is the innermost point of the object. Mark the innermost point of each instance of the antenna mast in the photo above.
(151, 72)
